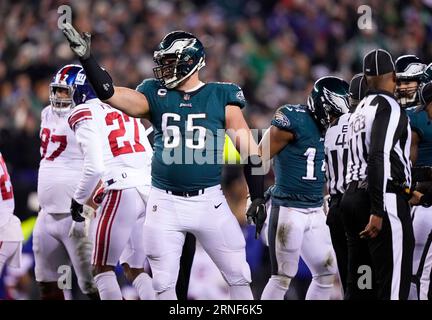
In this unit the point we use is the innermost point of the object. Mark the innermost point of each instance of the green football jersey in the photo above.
(421, 124)
(189, 133)
(299, 167)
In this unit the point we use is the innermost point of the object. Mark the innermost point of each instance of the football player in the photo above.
(59, 171)
(116, 150)
(336, 155)
(297, 225)
(410, 73)
(189, 119)
(11, 235)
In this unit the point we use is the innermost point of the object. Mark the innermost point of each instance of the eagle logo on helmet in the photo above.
(179, 55)
(337, 101)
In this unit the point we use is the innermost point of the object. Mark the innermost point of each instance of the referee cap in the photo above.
(377, 62)
(358, 87)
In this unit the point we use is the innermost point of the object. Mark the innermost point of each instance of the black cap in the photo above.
(377, 62)
(358, 87)
(425, 95)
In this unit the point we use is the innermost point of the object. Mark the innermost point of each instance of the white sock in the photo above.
(276, 288)
(320, 289)
(169, 294)
(242, 292)
(108, 286)
(143, 284)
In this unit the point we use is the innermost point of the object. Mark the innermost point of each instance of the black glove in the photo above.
(257, 214)
(76, 209)
(426, 200)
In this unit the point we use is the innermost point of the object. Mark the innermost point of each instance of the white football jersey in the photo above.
(7, 204)
(122, 140)
(336, 153)
(61, 163)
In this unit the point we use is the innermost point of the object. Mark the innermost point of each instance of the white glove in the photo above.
(81, 229)
(79, 44)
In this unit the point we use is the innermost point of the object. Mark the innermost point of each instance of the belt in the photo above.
(393, 187)
(356, 185)
(186, 194)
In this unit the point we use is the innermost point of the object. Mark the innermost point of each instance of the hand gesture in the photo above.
(79, 44)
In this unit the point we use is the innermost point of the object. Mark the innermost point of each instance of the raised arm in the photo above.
(130, 101)
(127, 100)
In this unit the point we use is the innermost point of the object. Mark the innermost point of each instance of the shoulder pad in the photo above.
(80, 113)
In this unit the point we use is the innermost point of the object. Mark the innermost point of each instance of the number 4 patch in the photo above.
(340, 140)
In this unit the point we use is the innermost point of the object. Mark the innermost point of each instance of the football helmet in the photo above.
(329, 97)
(409, 73)
(178, 55)
(71, 78)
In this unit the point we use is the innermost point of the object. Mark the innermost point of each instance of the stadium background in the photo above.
(273, 49)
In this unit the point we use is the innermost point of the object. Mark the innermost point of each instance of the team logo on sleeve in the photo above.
(240, 95)
(281, 119)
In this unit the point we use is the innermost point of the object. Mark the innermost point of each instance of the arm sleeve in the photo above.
(89, 141)
(384, 131)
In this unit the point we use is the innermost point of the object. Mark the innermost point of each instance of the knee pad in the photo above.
(324, 280)
(288, 269)
(240, 277)
(325, 266)
(282, 281)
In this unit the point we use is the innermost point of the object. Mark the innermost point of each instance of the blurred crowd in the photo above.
(274, 49)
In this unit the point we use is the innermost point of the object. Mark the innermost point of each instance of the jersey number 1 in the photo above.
(310, 164)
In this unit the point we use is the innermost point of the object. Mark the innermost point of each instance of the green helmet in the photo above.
(409, 69)
(427, 74)
(329, 97)
(178, 56)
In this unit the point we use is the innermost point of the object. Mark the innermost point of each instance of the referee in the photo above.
(336, 157)
(375, 204)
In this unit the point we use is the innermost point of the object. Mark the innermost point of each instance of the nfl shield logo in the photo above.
(186, 96)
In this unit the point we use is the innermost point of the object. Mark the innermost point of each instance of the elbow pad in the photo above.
(99, 78)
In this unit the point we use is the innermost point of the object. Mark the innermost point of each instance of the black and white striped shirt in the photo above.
(336, 154)
(379, 139)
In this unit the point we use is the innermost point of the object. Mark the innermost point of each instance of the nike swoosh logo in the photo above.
(218, 205)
